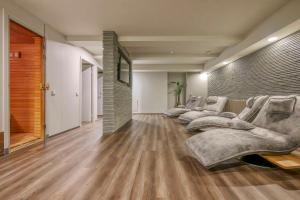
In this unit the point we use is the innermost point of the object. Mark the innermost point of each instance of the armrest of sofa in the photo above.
(229, 115)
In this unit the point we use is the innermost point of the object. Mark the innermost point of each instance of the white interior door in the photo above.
(100, 95)
(136, 93)
(86, 95)
(62, 100)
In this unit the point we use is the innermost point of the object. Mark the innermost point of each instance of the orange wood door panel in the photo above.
(26, 77)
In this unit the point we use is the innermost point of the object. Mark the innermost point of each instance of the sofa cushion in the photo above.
(283, 105)
(198, 109)
(210, 122)
(175, 112)
(192, 115)
(211, 99)
(229, 115)
(240, 124)
(248, 114)
(218, 106)
(194, 102)
(284, 123)
(250, 102)
(215, 146)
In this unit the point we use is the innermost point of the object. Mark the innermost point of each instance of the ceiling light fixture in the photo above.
(203, 76)
(272, 39)
(225, 62)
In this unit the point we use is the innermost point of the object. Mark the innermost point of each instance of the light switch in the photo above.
(53, 93)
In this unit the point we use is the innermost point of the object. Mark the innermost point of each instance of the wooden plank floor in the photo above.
(17, 139)
(145, 160)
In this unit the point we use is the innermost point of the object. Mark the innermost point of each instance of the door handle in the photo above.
(44, 87)
(47, 86)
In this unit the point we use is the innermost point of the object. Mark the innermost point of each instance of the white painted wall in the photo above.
(94, 93)
(175, 77)
(63, 73)
(196, 85)
(2, 82)
(150, 92)
(63, 66)
(8, 10)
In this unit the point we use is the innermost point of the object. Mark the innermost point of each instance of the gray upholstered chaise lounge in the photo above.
(230, 120)
(213, 106)
(192, 102)
(277, 131)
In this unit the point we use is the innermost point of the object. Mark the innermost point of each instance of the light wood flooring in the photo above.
(18, 139)
(146, 159)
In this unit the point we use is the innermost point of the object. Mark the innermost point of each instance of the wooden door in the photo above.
(26, 84)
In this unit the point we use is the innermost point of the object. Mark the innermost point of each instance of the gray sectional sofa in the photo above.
(230, 120)
(191, 103)
(276, 130)
(214, 105)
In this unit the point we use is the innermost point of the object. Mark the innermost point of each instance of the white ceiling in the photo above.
(93, 44)
(156, 32)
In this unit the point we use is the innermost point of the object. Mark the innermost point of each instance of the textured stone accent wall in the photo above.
(273, 70)
(117, 97)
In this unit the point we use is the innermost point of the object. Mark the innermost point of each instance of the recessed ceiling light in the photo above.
(203, 76)
(272, 39)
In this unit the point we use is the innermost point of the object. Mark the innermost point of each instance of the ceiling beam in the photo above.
(84, 38)
(98, 56)
(169, 55)
(84, 41)
(170, 59)
(199, 38)
(93, 44)
(128, 39)
(167, 68)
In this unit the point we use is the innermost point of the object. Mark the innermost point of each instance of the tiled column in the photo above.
(117, 97)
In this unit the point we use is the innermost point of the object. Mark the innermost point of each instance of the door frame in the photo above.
(99, 88)
(7, 122)
(82, 61)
